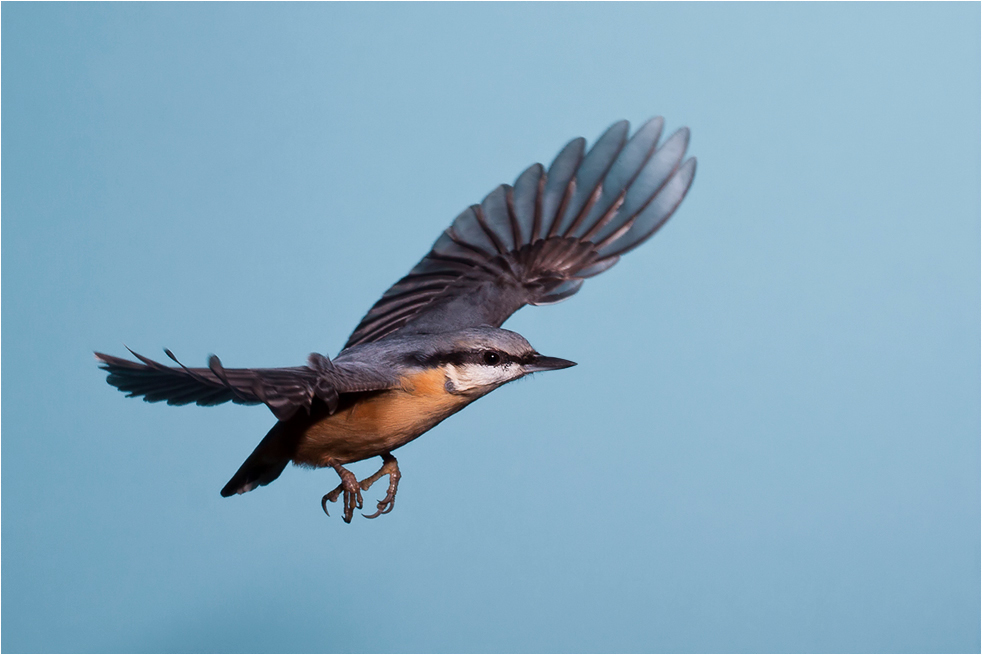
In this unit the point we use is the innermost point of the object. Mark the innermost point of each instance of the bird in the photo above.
(433, 343)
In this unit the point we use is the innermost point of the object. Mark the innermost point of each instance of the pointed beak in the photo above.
(543, 363)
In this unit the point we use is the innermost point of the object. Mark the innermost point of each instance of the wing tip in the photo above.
(685, 134)
(578, 144)
(621, 124)
(689, 164)
(660, 120)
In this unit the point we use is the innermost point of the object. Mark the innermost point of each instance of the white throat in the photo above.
(464, 377)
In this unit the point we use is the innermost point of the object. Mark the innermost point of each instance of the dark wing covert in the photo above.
(535, 242)
(283, 390)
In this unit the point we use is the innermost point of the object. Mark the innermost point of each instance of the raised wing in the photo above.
(283, 390)
(535, 242)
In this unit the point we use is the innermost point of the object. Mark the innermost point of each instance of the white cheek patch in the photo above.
(469, 376)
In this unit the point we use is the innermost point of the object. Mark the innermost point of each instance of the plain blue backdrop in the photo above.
(771, 442)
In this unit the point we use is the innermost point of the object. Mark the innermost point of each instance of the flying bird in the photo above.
(433, 343)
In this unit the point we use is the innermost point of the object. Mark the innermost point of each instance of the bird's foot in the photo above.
(349, 486)
(390, 467)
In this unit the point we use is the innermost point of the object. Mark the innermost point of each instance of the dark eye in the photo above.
(491, 357)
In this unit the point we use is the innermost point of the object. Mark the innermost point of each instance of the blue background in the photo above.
(771, 442)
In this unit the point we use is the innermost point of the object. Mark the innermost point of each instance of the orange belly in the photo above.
(380, 423)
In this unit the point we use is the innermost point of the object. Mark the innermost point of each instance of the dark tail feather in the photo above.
(266, 462)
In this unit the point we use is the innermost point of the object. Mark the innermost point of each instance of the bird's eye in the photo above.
(491, 357)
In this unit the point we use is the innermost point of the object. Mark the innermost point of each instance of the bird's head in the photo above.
(478, 360)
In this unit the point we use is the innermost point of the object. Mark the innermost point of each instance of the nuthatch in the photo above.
(433, 343)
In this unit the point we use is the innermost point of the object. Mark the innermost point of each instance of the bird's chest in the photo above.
(382, 422)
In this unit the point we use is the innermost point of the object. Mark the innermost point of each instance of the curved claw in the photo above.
(352, 493)
(331, 497)
(384, 507)
(352, 489)
(390, 467)
(352, 501)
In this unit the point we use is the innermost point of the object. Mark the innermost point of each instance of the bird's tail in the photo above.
(266, 462)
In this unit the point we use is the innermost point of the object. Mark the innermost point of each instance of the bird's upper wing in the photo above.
(284, 390)
(535, 242)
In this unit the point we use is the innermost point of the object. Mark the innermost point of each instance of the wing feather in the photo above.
(656, 213)
(559, 183)
(497, 219)
(622, 174)
(526, 195)
(536, 242)
(283, 390)
(590, 174)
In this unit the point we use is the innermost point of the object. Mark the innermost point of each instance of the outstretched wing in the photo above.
(535, 242)
(283, 390)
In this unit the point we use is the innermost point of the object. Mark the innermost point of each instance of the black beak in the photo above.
(543, 363)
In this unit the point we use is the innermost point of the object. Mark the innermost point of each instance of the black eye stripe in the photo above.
(459, 358)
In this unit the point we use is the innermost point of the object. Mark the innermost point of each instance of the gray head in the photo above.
(483, 358)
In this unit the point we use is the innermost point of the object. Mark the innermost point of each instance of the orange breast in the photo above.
(380, 423)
